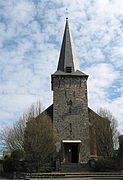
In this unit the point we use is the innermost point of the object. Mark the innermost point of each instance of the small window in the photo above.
(59, 84)
(69, 69)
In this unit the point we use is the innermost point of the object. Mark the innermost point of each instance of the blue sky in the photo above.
(31, 33)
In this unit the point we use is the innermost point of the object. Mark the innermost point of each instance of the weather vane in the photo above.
(67, 12)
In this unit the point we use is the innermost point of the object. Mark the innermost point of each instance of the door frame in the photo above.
(68, 146)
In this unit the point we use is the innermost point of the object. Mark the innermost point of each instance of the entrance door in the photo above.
(71, 152)
(74, 153)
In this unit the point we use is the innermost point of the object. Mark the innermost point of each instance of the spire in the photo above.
(67, 60)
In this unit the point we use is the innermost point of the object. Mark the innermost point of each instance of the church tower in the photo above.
(70, 104)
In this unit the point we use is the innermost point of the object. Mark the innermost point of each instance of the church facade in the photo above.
(74, 123)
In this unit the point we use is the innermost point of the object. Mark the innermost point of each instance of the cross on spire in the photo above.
(67, 13)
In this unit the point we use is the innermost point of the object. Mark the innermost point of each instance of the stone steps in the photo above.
(94, 175)
(74, 167)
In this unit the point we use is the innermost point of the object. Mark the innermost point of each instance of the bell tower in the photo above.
(70, 104)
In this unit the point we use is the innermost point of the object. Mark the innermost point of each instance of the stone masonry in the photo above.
(70, 111)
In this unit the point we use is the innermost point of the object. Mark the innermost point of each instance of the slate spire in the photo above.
(67, 60)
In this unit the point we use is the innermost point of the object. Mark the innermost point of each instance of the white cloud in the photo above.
(31, 34)
(100, 83)
(102, 75)
(21, 12)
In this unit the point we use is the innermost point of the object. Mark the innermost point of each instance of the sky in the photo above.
(31, 33)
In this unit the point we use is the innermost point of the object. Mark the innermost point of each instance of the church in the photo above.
(80, 129)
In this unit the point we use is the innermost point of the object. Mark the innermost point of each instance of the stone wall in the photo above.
(70, 111)
(103, 134)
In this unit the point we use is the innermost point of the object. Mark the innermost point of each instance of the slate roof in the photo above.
(67, 54)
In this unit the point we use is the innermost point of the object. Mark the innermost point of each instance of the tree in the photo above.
(113, 124)
(39, 141)
(12, 138)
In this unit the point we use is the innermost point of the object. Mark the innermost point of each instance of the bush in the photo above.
(13, 161)
(9, 165)
(46, 169)
(37, 168)
(13, 165)
(7, 156)
(105, 165)
(18, 154)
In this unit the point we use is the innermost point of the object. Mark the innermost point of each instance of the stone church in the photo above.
(77, 126)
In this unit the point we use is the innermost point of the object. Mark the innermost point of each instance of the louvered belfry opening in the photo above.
(68, 69)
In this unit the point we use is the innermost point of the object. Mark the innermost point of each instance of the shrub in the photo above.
(9, 165)
(7, 156)
(105, 165)
(12, 161)
(18, 154)
(46, 169)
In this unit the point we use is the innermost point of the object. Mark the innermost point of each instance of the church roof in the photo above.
(67, 57)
